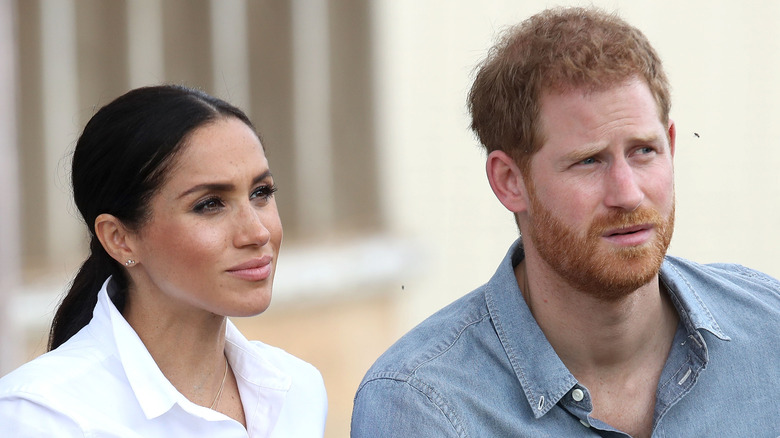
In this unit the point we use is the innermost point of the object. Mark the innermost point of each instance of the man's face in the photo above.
(601, 189)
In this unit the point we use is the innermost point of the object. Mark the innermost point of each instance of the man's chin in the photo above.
(616, 277)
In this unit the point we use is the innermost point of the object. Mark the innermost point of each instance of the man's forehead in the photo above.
(570, 95)
(587, 88)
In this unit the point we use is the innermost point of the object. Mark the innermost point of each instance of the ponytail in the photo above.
(75, 310)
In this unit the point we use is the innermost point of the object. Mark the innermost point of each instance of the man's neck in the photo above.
(616, 349)
(589, 333)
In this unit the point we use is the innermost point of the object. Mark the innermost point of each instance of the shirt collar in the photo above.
(262, 385)
(688, 301)
(155, 394)
(542, 374)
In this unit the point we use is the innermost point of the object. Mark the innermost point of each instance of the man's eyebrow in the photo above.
(594, 149)
(650, 138)
(583, 153)
(222, 187)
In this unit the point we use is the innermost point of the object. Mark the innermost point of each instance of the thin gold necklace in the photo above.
(221, 386)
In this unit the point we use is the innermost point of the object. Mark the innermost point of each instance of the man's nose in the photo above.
(622, 187)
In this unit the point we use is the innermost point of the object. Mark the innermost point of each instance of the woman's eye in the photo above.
(590, 160)
(263, 193)
(208, 206)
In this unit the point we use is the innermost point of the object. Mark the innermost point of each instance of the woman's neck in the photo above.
(188, 347)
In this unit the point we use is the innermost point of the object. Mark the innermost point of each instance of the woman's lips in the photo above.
(257, 269)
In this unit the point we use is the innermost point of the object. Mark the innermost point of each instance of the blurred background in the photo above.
(361, 104)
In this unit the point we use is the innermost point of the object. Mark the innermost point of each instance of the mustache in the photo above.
(622, 219)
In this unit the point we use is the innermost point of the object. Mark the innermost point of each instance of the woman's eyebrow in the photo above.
(221, 187)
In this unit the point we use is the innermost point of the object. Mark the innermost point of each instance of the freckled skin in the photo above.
(196, 235)
(606, 164)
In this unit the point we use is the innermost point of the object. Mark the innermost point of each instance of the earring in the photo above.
(129, 262)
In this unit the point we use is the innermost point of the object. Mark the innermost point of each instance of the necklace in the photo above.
(221, 386)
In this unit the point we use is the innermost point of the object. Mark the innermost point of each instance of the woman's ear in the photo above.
(115, 238)
(506, 180)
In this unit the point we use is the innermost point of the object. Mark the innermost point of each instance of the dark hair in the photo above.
(120, 161)
(558, 50)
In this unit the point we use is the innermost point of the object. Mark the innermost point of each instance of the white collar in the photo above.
(262, 385)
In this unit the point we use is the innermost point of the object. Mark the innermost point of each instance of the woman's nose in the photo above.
(249, 227)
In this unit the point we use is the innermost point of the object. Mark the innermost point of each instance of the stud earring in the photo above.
(129, 262)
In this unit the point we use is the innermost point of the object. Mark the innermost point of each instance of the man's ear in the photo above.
(115, 238)
(506, 180)
(672, 136)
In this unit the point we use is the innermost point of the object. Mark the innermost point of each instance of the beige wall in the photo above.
(392, 123)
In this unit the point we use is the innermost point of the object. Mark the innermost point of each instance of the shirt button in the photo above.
(577, 395)
(584, 423)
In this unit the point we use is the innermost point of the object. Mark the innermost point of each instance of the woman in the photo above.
(177, 194)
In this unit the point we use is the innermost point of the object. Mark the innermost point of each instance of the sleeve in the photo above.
(23, 418)
(313, 401)
(395, 408)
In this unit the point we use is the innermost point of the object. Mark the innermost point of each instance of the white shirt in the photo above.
(104, 383)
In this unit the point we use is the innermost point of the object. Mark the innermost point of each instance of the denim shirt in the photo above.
(481, 367)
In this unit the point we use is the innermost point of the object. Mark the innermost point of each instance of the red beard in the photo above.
(585, 264)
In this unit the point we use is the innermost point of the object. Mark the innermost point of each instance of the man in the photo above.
(587, 328)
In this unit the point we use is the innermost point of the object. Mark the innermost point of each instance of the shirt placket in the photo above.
(687, 358)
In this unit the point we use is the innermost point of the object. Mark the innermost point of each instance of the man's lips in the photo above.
(256, 269)
(630, 236)
(627, 230)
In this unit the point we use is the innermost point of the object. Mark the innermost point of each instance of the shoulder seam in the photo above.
(479, 319)
(426, 390)
(44, 402)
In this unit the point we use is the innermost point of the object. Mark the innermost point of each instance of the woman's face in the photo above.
(214, 233)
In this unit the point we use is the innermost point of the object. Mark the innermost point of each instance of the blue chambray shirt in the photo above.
(481, 367)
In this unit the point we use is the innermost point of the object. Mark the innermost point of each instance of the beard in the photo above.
(609, 273)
